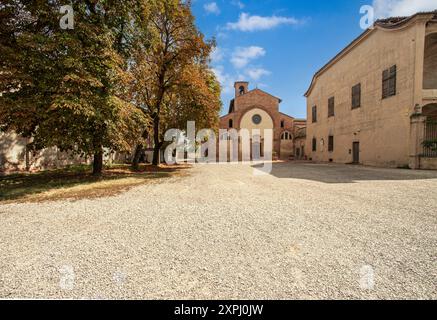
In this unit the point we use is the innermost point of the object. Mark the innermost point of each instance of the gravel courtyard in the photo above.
(308, 231)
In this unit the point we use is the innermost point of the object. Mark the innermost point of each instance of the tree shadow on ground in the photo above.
(338, 173)
(77, 182)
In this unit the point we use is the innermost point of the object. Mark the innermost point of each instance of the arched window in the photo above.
(242, 90)
(430, 62)
(231, 123)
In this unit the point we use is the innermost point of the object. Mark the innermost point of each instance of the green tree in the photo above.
(68, 88)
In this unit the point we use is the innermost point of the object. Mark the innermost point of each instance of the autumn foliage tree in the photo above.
(126, 70)
(173, 81)
(67, 88)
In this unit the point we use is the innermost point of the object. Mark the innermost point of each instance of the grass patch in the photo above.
(77, 182)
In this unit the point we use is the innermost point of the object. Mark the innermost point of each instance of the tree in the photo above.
(165, 89)
(68, 88)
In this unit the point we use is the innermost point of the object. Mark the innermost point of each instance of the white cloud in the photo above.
(243, 55)
(257, 73)
(212, 8)
(395, 8)
(217, 55)
(225, 79)
(246, 22)
(238, 4)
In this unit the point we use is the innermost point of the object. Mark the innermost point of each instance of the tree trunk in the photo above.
(98, 163)
(157, 143)
(136, 161)
(138, 152)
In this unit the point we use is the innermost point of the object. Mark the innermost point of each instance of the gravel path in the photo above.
(306, 232)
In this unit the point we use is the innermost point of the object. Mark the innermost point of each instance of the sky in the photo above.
(278, 45)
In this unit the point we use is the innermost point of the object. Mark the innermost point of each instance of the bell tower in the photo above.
(241, 87)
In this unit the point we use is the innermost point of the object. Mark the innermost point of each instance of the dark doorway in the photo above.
(356, 152)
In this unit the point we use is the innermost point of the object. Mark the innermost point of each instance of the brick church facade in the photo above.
(257, 109)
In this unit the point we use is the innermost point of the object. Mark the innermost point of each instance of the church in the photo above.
(257, 109)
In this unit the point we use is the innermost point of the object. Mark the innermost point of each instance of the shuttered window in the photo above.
(314, 114)
(356, 96)
(331, 144)
(389, 82)
(331, 107)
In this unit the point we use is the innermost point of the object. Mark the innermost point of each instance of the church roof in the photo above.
(396, 22)
(253, 90)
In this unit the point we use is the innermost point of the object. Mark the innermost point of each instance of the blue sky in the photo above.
(277, 45)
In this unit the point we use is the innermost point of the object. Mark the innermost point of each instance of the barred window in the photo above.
(331, 107)
(389, 82)
(314, 114)
(331, 144)
(356, 96)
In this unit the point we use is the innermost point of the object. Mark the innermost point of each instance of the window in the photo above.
(314, 144)
(286, 136)
(242, 90)
(257, 119)
(331, 107)
(231, 123)
(356, 96)
(282, 124)
(331, 144)
(389, 82)
(314, 114)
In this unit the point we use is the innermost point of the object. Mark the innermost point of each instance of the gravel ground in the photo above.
(307, 231)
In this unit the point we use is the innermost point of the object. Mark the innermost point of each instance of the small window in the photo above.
(314, 144)
(331, 107)
(389, 82)
(331, 144)
(286, 136)
(282, 124)
(231, 123)
(242, 90)
(314, 114)
(356, 96)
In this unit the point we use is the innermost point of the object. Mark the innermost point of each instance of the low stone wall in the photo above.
(428, 163)
(14, 156)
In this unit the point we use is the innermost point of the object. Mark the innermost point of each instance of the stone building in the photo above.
(375, 103)
(257, 109)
